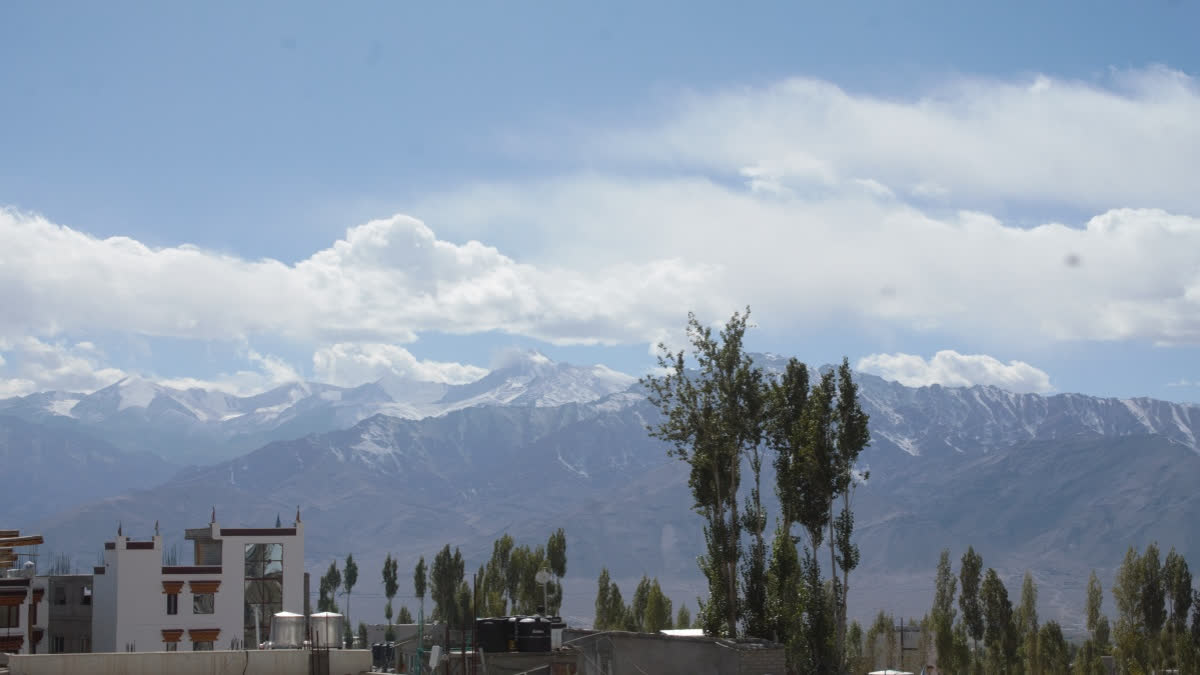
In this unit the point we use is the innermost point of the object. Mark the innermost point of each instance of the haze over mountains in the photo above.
(1056, 484)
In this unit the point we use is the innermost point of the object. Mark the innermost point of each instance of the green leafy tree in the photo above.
(657, 614)
(603, 589)
(1095, 602)
(391, 585)
(712, 419)
(1053, 655)
(1027, 625)
(405, 616)
(1129, 635)
(683, 619)
(637, 606)
(942, 614)
(362, 635)
(420, 581)
(853, 436)
(856, 660)
(1000, 634)
(787, 400)
(1178, 581)
(786, 604)
(445, 576)
(331, 581)
(1154, 609)
(348, 580)
(969, 577)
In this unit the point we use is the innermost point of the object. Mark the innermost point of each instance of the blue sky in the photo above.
(618, 165)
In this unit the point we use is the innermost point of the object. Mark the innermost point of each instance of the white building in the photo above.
(23, 614)
(239, 579)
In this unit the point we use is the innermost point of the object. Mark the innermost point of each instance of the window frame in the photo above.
(198, 603)
(172, 604)
(11, 616)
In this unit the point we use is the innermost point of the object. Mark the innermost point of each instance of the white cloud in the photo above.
(1128, 139)
(789, 197)
(269, 372)
(388, 279)
(349, 364)
(1184, 382)
(33, 365)
(951, 369)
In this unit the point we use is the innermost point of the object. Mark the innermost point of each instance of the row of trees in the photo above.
(721, 415)
(973, 626)
(649, 611)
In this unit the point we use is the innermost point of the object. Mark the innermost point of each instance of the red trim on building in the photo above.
(97, 570)
(21, 581)
(139, 546)
(110, 546)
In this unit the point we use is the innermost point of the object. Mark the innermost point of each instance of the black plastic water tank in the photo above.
(493, 634)
(533, 634)
(377, 655)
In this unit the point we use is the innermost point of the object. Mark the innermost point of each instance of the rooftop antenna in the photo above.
(156, 528)
(119, 528)
(214, 516)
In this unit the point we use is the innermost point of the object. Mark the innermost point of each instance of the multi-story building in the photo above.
(70, 613)
(23, 613)
(239, 579)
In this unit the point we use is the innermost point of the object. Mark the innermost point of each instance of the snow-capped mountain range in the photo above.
(1046, 482)
(201, 426)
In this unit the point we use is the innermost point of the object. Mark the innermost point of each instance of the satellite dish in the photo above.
(542, 577)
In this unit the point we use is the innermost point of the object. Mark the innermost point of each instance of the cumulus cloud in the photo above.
(951, 369)
(387, 279)
(800, 198)
(350, 364)
(35, 365)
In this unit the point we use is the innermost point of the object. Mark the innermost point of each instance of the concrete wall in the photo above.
(72, 621)
(621, 653)
(274, 662)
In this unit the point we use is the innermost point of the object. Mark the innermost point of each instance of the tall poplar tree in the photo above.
(712, 419)
(852, 437)
(1027, 624)
(1178, 582)
(943, 608)
(969, 577)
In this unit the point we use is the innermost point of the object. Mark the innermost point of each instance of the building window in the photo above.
(33, 614)
(85, 645)
(58, 644)
(172, 603)
(263, 590)
(60, 595)
(206, 646)
(10, 616)
(87, 595)
(202, 603)
(172, 646)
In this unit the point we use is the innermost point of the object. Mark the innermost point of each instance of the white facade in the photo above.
(131, 592)
(24, 599)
